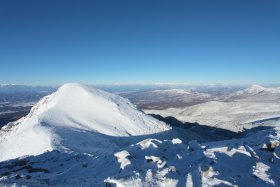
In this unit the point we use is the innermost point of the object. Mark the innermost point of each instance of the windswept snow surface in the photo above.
(81, 136)
(244, 162)
(74, 109)
(250, 161)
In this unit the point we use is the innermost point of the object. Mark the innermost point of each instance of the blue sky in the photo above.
(139, 41)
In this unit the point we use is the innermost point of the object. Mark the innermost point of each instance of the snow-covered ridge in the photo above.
(73, 108)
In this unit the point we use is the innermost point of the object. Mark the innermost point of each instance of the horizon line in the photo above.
(145, 84)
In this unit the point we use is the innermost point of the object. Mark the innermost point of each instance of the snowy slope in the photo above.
(233, 116)
(74, 110)
(240, 110)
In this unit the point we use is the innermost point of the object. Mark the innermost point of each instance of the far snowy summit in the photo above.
(254, 89)
(74, 117)
(257, 89)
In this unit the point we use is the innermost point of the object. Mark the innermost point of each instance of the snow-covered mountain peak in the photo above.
(254, 89)
(75, 117)
(76, 87)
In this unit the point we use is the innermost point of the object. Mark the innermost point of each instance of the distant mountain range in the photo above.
(11, 88)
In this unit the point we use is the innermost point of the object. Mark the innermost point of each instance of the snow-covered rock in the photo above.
(240, 162)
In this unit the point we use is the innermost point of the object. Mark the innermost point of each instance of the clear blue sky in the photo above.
(139, 41)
